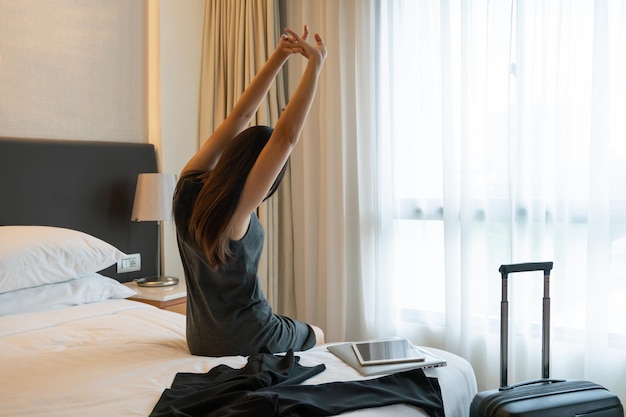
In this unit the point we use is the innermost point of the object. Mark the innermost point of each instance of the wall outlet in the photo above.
(131, 263)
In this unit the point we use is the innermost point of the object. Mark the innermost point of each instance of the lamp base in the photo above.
(161, 281)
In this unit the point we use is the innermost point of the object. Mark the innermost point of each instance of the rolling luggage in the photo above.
(545, 396)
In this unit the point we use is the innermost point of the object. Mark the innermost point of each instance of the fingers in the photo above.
(299, 44)
(294, 36)
(305, 34)
(292, 42)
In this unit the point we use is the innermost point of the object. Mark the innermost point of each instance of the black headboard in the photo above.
(83, 185)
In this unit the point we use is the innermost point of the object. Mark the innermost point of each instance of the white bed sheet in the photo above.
(115, 358)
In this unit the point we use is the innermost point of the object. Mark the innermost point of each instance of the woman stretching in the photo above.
(219, 235)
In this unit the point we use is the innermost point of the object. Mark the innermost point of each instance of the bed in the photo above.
(71, 342)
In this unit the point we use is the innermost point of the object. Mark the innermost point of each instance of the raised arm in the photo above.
(285, 136)
(247, 105)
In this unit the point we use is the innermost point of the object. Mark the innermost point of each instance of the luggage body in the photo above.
(545, 396)
(549, 398)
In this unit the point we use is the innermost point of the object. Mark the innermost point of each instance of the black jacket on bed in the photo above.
(268, 385)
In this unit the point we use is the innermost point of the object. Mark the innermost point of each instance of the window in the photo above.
(504, 121)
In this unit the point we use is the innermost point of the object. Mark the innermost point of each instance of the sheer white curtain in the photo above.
(334, 177)
(449, 138)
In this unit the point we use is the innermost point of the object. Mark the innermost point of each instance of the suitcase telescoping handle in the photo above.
(505, 270)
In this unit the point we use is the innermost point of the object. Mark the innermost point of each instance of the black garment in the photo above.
(227, 313)
(268, 386)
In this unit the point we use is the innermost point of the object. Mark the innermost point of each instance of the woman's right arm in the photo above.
(285, 136)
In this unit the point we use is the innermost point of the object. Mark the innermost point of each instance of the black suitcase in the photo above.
(545, 396)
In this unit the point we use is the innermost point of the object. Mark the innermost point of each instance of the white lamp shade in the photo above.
(153, 197)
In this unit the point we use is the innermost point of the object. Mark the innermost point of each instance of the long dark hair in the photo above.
(209, 221)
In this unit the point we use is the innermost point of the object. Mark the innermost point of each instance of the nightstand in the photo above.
(172, 298)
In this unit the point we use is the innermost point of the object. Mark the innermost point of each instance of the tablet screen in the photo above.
(387, 351)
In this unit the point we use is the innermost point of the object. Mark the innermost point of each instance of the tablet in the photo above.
(384, 351)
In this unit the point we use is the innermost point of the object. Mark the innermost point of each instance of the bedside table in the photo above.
(172, 298)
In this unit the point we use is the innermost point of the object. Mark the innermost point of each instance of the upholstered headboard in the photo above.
(83, 185)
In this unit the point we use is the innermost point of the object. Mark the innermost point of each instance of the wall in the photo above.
(64, 65)
(181, 29)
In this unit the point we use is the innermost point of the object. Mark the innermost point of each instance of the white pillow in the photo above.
(35, 255)
(91, 288)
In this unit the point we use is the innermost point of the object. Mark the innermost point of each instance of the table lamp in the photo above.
(153, 202)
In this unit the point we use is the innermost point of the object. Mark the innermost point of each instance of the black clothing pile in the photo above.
(268, 385)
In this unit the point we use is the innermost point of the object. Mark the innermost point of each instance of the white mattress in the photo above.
(115, 358)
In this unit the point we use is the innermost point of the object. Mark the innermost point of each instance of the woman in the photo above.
(219, 236)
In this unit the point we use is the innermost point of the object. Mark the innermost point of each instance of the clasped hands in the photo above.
(291, 43)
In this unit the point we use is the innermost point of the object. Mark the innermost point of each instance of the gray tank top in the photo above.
(227, 312)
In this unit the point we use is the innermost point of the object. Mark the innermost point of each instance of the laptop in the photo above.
(346, 352)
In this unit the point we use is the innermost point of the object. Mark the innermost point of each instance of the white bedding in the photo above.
(116, 357)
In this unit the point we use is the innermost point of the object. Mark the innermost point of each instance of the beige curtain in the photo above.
(239, 36)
